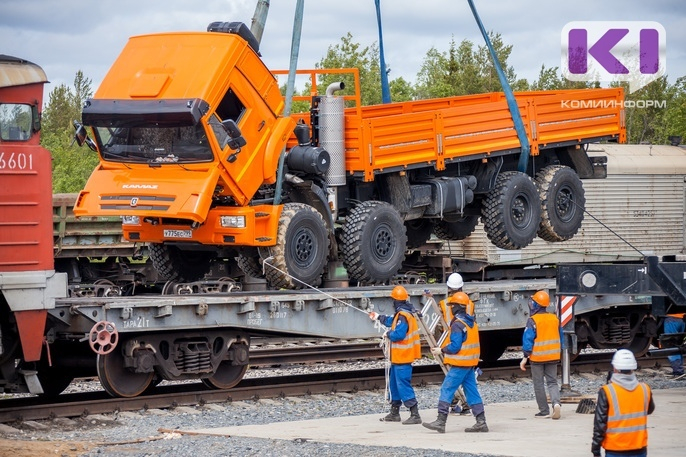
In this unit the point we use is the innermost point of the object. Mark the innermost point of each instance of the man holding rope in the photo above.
(405, 348)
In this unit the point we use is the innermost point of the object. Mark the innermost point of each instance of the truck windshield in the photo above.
(154, 144)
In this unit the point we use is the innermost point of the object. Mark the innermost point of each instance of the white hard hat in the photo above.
(624, 360)
(455, 281)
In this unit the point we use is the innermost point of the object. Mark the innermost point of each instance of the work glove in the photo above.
(385, 335)
(373, 316)
(436, 351)
(522, 364)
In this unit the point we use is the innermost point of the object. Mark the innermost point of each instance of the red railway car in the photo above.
(28, 282)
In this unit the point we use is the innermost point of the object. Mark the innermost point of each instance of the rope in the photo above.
(385, 345)
(385, 342)
(566, 198)
(266, 262)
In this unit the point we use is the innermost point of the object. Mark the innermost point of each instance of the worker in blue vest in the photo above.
(675, 323)
(620, 425)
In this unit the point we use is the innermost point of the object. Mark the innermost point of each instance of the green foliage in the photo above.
(552, 79)
(71, 165)
(349, 54)
(656, 111)
(464, 70)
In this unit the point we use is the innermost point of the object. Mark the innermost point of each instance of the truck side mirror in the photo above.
(81, 137)
(235, 138)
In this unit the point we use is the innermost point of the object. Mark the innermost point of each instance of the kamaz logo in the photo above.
(134, 202)
(139, 186)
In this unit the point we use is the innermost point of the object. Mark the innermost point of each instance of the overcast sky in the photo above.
(69, 35)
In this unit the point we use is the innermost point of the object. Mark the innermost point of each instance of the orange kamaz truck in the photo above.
(198, 159)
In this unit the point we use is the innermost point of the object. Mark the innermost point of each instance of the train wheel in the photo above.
(458, 229)
(301, 251)
(512, 211)
(226, 376)
(562, 203)
(249, 263)
(640, 345)
(119, 381)
(374, 242)
(494, 344)
(418, 232)
(184, 266)
(53, 380)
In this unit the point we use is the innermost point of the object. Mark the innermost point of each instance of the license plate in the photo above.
(177, 234)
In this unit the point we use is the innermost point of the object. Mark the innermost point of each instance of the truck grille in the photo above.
(136, 203)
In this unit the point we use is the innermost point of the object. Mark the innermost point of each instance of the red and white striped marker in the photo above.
(567, 308)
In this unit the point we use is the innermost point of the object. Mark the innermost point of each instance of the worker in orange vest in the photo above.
(541, 345)
(620, 425)
(405, 348)
(674, 323)
(455, 283)
(461, 353)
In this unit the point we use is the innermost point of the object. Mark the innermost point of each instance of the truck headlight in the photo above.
(232, 221)
(130, 220)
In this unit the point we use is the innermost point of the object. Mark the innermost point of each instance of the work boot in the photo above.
(480, 425)
(414, 416)
(438, 424)
(393, 416)
(677, 368)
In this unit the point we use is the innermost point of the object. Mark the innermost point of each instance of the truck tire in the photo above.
(301, 251)
(374, 242)
(456, 230)
(249, 263)
(512, 211)
(418, 232)
(562, 203)
(177, 265)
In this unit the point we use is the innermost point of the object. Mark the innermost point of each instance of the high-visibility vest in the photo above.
(468, 355)
(408, 349)
(627, 417)
(547, 342)
(447, 310)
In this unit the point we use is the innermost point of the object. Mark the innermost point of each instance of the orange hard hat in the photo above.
(460, 298)
(399, 293)
(542, 298)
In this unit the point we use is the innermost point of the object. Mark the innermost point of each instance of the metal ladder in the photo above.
(427, 320)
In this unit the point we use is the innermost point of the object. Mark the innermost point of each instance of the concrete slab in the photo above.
(512, 429)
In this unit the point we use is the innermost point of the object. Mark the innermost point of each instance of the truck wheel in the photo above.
(562, 203)
(512, 211)
(374, 242)
(418, 232)
(459, 229)
(182, 266)
(249, 263)
(301, 251)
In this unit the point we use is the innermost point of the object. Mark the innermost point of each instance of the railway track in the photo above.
(191, 394)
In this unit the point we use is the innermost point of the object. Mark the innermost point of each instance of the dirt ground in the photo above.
(23, 448)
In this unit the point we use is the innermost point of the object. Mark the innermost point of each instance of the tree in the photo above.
(71, 165)
(463, 70)
(552, 79)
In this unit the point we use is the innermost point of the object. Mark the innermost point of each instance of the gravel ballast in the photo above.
(104, 432)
